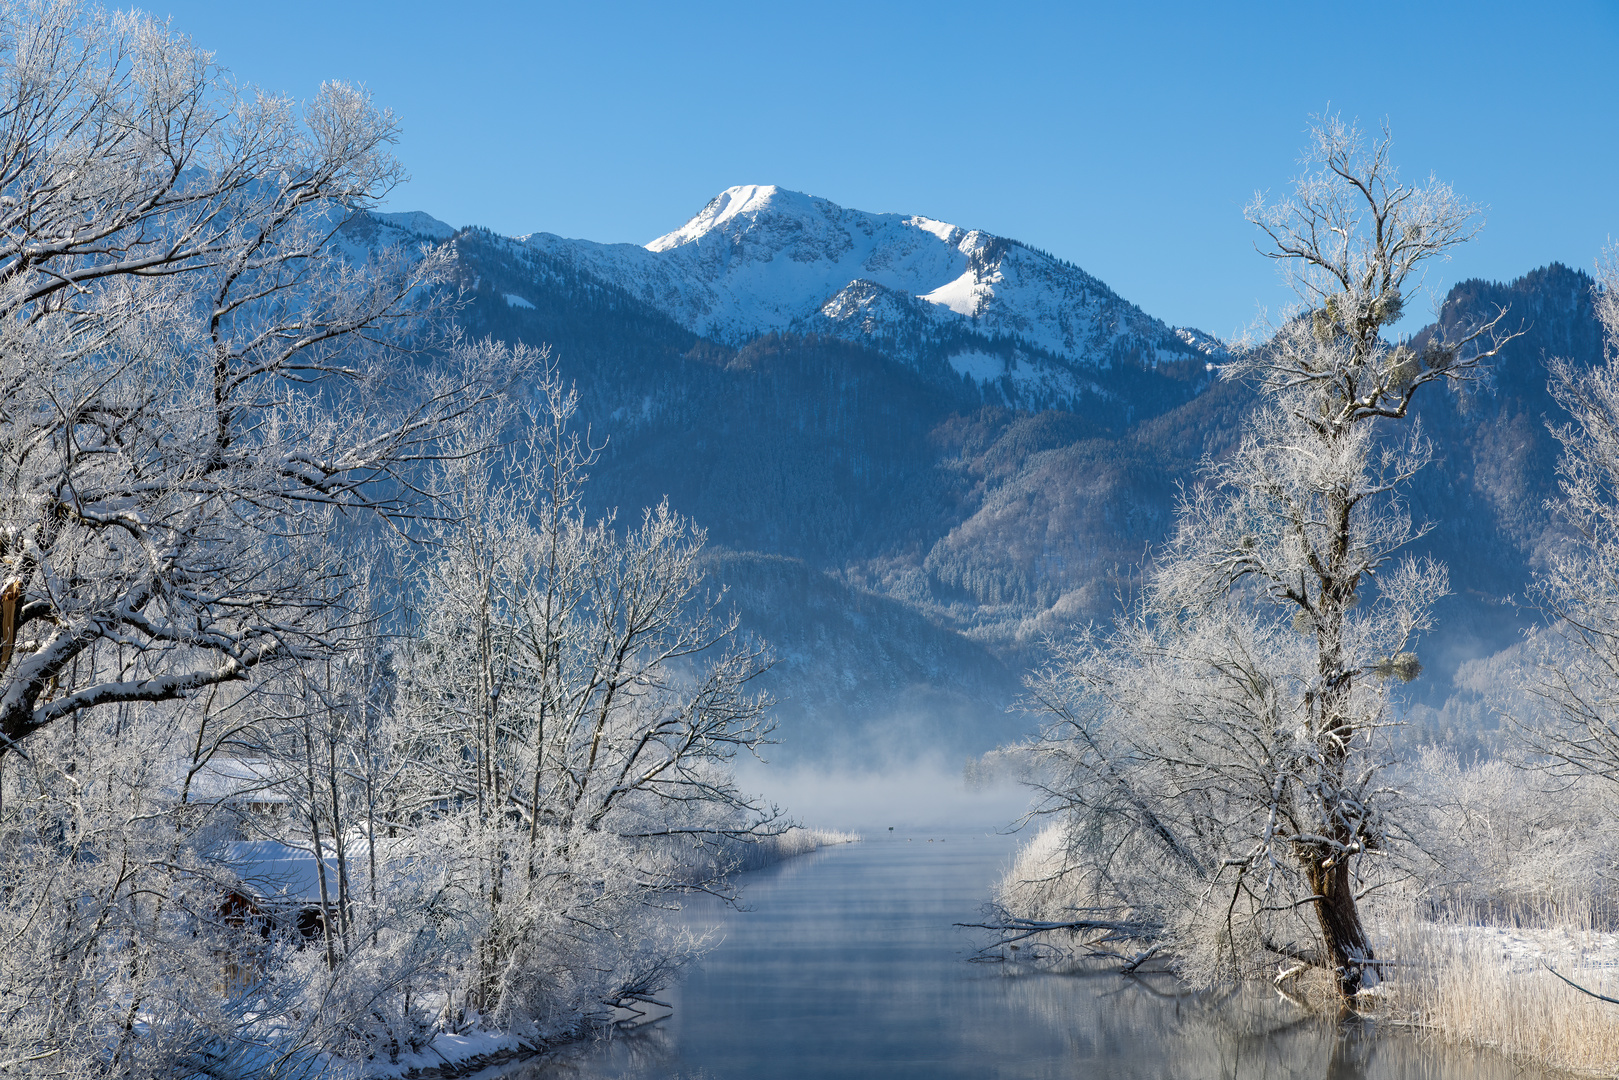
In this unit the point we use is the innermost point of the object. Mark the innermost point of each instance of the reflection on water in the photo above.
(845, 964)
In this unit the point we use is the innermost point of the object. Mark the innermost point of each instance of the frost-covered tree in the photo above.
(187, 363)
(569, 707)
(1215, 755)
(478, 819)
(201, 385)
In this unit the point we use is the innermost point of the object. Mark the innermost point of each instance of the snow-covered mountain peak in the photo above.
(747, 202)
(945, 231)
(760, 258)
(763, 213)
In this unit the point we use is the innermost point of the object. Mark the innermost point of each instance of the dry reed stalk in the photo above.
(795, 841)
(1457, 982)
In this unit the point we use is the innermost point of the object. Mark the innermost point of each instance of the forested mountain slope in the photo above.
(907, 532)
(1496, 460)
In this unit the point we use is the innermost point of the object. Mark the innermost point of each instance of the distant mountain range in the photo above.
(920, 448)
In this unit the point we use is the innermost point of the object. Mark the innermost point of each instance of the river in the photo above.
(845, 963)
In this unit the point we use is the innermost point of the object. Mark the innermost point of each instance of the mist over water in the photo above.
(930, 793)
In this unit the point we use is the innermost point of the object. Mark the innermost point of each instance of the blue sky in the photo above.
(1123, 137)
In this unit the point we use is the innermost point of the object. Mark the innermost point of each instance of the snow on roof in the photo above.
(279, 873)
(239, 779)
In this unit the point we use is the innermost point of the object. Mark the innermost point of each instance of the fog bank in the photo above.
(922, 795)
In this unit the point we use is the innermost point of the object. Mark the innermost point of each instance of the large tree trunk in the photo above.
(1327, 868)
(1347, 947)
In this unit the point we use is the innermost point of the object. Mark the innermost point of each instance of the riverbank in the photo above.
(769, 850)
(1499, 987)
(852, 965)
(451, 1056)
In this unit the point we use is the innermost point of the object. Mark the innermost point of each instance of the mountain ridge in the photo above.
(759, 259)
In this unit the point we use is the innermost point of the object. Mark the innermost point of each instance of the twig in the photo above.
(1140, 958)
(1577, 986)
(1030, 927)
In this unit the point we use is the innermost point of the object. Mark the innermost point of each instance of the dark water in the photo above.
(845, 964)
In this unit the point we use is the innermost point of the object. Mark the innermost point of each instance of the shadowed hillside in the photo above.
(838, 478)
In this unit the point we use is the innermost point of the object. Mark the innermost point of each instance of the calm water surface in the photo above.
(845, 963)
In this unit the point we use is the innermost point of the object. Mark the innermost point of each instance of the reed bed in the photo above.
(1492, 986)
(769, 850)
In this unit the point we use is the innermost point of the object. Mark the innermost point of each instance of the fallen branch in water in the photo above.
(1013, 929)
(1140, 958)
(1117, 931)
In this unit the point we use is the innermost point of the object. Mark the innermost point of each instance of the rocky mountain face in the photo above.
(919, 449)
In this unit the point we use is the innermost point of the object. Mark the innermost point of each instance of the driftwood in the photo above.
(1013, 929)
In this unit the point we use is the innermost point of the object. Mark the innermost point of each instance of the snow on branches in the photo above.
(324, 729)
(1571, 721)
(1218, 756)
(189, 373)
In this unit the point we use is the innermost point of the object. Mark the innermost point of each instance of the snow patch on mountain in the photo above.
(943, 230)
(1207, 344)
(417, 224)
(866, 308)
(361, 235)
(965, 296)
(749, 199)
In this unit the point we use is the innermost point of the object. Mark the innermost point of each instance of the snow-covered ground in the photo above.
(453, 1055)
(1526, 949)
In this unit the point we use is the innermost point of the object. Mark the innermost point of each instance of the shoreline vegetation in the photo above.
(1487, 985)
(1230, 787)
(450, 1056)
(798, 840)
(1516, 906)
(1494, 986)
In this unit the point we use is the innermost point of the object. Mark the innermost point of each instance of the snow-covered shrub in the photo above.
(119, 954)
(1495, 841)
(560, 736)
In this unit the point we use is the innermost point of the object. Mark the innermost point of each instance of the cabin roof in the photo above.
(278, 873)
